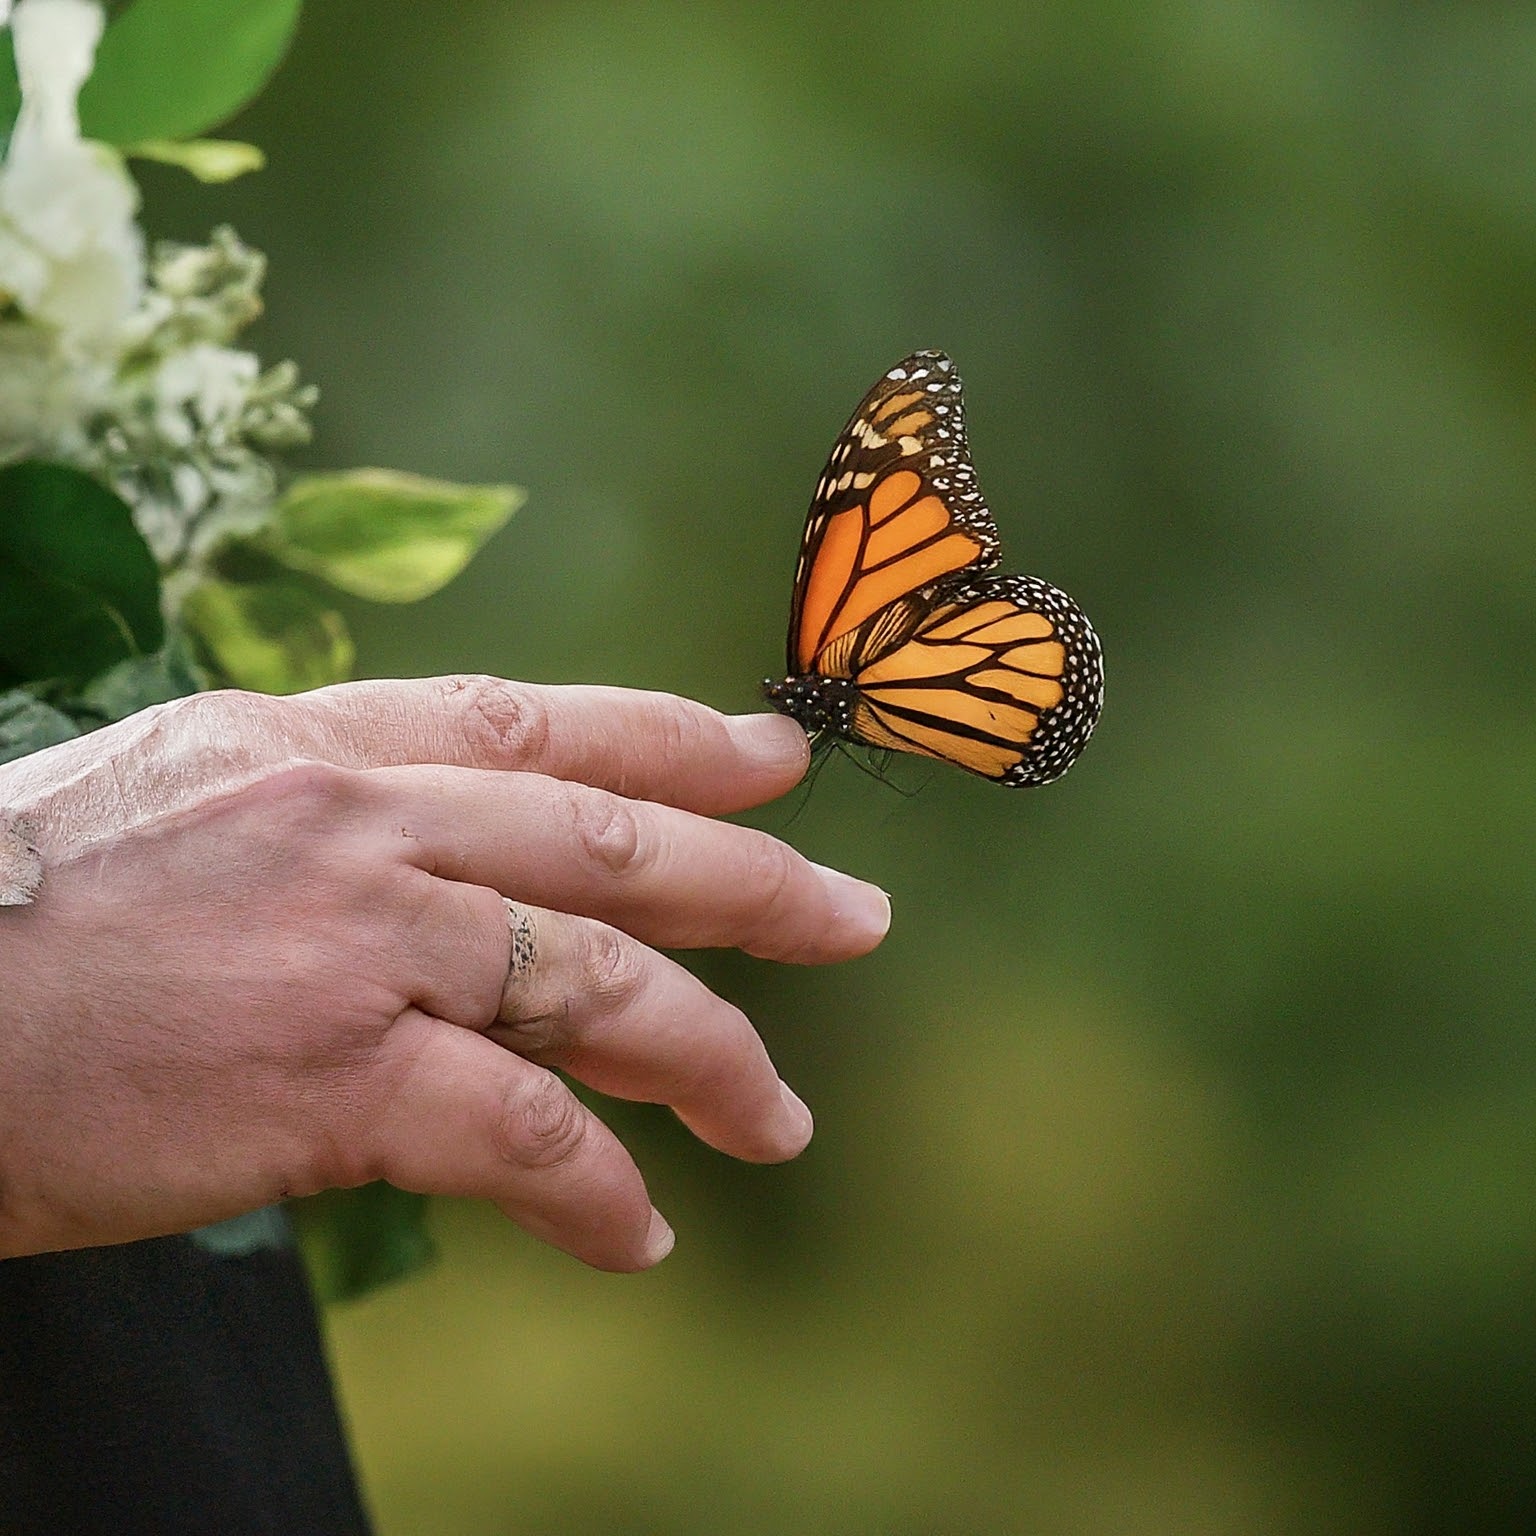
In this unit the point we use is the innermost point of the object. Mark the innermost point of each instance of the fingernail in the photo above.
(863, 905)
(659, 1240)
(772, 738)
(805, 1122)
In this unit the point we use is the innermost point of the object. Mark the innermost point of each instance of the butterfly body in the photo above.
(820, 704)
(899, 636)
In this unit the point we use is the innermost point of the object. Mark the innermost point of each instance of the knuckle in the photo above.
(781, 917)
(606, 831)
(542, 1124)
(215, 704)
(708, 1075)
(341, 1162)
(229, 731)
(614, 968)
(337, 1121)
(404, 896)
(505, 722)
(770, 874)
(684, 734)
(232, 714)
(308, 789)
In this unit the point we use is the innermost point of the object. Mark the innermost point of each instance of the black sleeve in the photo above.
(159, 1387)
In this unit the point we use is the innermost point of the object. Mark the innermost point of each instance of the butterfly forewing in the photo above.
(896, 509)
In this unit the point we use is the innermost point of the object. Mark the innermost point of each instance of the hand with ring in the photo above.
(260, 947)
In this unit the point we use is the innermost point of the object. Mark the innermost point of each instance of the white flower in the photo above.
(202, 390)
(45, 395)
(71, 253)
(55, 43)
(127, 373)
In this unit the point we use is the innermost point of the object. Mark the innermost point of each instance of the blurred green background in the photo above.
(1175, 1157)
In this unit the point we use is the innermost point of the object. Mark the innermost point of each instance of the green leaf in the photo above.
(209, 160)
(10, 88)
(356, 1239)
(79, 588)
(271, 636)
(28, 725)
(256, 1231)
(385, 535)
(135, 684)
(172, 69)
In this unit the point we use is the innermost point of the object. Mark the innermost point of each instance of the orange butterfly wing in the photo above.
(897, 507)
(1003, 676)
(898, 638)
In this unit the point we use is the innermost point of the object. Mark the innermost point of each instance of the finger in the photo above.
(454, 948)
(666, 876)
(583, 997)
(460, 1116)
(651, 746)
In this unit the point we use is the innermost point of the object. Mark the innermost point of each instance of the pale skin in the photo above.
(269, 955)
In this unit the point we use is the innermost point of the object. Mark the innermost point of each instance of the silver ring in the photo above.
(525, 944)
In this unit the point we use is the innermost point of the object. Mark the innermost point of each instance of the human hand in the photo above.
(270, 955)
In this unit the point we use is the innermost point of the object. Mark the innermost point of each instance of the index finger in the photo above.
(670, 877)
(645, 746)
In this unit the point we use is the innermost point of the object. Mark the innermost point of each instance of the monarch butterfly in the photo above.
(898, 636)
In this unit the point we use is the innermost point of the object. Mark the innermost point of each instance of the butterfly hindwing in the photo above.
(898, 636)
(1003, 675)
(896, 508)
